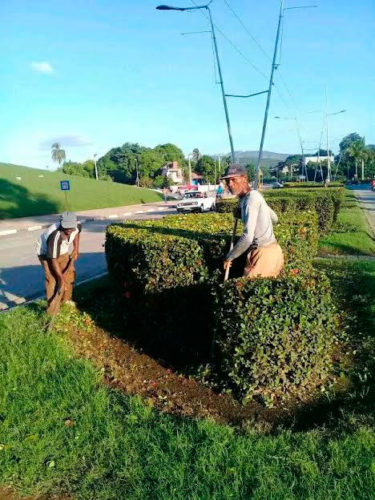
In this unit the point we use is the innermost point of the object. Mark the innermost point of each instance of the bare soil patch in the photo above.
(137, 373)
(8, 494)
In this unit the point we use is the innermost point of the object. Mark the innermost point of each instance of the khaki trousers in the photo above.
(264, 262)
(50, 280)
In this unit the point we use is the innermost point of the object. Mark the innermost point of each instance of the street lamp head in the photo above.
(168, 7)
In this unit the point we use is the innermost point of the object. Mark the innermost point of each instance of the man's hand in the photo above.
(75, 255)
(227, 264)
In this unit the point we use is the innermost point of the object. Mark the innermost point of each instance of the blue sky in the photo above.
(94, 74)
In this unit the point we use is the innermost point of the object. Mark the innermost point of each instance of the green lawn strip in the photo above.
(351, 233)
(62, 430)
(35, 195)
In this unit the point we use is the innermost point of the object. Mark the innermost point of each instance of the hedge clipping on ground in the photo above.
(274, 337)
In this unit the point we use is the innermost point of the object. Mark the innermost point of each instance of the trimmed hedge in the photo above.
(312, 184)
(170, 271)
(150, 256)
(325, 202)
(274, 336)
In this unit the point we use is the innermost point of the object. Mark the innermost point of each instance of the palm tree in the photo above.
(357, 151)
(57, 153)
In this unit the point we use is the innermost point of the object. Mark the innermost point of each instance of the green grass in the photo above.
(62, 430)
(34, 195)
(351, 234)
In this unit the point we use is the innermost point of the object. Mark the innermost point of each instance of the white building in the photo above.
(318, 159)
(173, 172)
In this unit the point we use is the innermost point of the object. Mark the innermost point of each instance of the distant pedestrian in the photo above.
(220, 191)
(53, 250)
(265, 257)
(165, 195)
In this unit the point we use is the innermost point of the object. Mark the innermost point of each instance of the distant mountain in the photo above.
(269, 158)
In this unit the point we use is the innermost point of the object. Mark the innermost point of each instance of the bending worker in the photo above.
(265, 257)
(53, 249)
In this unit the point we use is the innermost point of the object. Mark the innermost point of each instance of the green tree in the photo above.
(74, 168)
(206, 167)
(170, 152)
(251, 169)
(196, 155)
(57, 154)
(350, 139)
(357, 151)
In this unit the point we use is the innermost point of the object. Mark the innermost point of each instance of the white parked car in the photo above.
(194, 201)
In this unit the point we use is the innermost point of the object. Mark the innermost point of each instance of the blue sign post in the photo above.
(65, 186)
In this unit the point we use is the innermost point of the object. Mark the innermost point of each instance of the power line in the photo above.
(234, 46)
(247, 30)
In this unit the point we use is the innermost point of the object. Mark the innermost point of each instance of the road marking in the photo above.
(8, 231)
(113, 216)
(34, 228)
(150, 210)
(140, 212)
(127, 213)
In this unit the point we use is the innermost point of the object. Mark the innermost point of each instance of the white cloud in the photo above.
(65, 140)
(42, 67)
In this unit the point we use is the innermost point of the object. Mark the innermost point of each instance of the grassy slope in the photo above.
(62, 430)
(34, 195)
(351, 234)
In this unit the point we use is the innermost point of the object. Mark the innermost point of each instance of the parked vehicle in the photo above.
(195, 201)
(277, 185)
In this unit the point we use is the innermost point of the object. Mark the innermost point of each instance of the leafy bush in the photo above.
(311, 184)
(179, 251)
(165, 269)
(274, 336)
(325, 202)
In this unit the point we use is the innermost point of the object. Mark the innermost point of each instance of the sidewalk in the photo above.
(36, 222)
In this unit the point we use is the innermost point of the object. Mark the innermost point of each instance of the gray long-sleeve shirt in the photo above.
(257, 218)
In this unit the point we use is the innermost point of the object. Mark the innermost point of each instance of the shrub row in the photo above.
(150, 256)
(312, 184)
(325, 202)
(274, 336)
(169, 272)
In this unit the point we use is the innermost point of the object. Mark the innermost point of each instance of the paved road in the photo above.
(21, 275)
(366, 199)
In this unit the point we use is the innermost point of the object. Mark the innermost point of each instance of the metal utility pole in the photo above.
(189, 155)
(221, 82)
(328, 178)
(96, 169)
(222, 87)
(136, 167)
(273, 67)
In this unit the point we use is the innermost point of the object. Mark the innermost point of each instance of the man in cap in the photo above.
(53, 249)
(265, 257)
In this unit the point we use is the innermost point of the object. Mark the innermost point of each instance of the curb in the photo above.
(8, 232)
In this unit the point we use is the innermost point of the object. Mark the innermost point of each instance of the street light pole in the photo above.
(221, 81)
(96, 169)
(222, 87)
(189, 155)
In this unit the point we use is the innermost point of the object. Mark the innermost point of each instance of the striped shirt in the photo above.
(53, 242)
